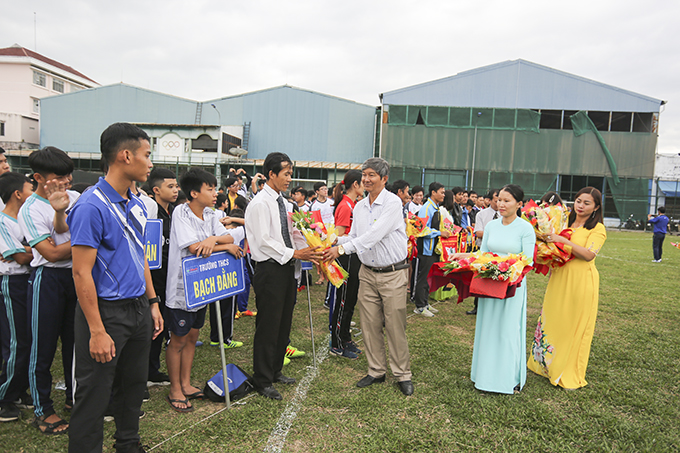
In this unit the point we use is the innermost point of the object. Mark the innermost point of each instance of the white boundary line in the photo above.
(277, 438)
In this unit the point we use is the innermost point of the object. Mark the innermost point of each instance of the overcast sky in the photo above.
(203, 50)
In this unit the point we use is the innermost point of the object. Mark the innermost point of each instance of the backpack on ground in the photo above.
(240, 384)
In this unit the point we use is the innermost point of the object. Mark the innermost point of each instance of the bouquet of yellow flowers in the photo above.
(318, 234)
(415, 227)
(548, 219)
(509, 268)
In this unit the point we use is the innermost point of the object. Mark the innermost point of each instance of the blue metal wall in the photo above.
(522, 84)
(304, 124)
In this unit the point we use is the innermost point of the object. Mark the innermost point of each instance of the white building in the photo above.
(25, 78)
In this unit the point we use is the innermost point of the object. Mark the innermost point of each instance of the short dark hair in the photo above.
(472, 192)
(2, 150)
(299, 189)
(230, 181)
(470, 203)
(181, 198)
(311, 193)
(238, 213)
(417, 189)
(456, 190)
(119, 136)
(50, 160)
(81, 187)
(274, 162)
(10, 182)
(158, 175)
(319, 185)
(221, 198)
(551, 198)
(398, 185)
(491, 193)
(194, 180)
(434, 187)
(240, 203)
(661, 210)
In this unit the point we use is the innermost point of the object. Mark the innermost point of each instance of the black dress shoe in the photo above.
(270, 392)
(406, 387)
(472, 312)
(368, 380)
(285, 379)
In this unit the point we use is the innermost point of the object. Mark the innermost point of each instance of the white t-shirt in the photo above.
(151, 206)
(483, 217)
(36, 218)
(187, 229)
(326, 209)
(414, 208)
(11, 242)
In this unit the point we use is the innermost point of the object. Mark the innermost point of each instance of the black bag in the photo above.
(240, 384)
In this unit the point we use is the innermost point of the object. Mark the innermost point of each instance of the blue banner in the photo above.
(153, 243)
(307, 266)
(210, 279)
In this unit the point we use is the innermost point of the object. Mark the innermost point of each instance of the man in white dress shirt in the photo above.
(275, 246)
(378, 237)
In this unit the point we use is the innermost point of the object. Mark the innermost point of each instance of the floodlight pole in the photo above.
(474, 153)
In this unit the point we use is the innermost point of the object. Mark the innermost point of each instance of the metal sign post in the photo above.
(307, 266)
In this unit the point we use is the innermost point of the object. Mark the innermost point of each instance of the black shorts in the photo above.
(180, 322)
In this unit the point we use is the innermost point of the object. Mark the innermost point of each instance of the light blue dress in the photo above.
(500, 355)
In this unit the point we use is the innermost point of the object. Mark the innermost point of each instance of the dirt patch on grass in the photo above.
(461, 335)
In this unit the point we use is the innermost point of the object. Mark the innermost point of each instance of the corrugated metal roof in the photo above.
(522, 84)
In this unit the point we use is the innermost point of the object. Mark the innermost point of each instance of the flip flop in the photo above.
(182, 410)
(196, 396)
(49, 428)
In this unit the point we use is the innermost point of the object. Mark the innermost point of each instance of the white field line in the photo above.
(277, 438)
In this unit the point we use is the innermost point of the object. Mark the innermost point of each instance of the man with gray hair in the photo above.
(378, 237)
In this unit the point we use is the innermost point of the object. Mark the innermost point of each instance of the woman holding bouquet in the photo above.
(499, 352)
(565, 328)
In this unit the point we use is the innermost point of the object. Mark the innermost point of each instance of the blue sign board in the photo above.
(213, 278)
(307, 266)
(153, 243)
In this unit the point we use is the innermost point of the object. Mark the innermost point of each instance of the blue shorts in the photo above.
(180, 322)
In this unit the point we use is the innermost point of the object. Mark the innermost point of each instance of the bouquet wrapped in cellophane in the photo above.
(318, 234)
(508, 268)
(415, 227)
(548, 219)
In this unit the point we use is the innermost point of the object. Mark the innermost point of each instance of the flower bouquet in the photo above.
(415, 227)
(548, 219)
(676, 244)
(482, 274)
(318, 234)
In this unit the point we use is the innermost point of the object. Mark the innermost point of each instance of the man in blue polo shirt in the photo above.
(660, 223)
(117, 313)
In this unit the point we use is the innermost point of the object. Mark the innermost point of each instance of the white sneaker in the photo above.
(432, 309)
(424, 311)
(656, 261)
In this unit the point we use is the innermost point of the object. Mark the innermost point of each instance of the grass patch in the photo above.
(630, 404)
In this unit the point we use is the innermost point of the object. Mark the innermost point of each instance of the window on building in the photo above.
(39, 79)
(621, 121)
(551, 119)
(36, 105)
(58, 85)
(2, 129)
(566, 124)
(642, 122)
(600, 119)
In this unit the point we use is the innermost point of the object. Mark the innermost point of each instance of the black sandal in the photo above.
(49, 428)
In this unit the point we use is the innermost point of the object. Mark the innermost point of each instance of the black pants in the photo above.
(157, 344)
(657, 245)
(15, 338)
(228, 310)
(128, 322)
(346, 301)
(51, 297)
(422, 287)
(275, 291)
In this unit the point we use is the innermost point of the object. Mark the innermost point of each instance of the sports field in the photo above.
(632, 401)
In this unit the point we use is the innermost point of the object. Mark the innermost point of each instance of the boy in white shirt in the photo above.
(196, 230)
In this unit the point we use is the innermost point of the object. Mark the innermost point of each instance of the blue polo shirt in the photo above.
(104, 220)
(660, 223)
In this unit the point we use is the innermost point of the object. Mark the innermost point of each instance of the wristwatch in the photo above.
(341, 249)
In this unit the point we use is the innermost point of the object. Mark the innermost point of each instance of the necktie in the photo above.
(495, 216)
(283, 216)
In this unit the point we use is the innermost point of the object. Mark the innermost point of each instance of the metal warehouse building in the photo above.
(520, 122)
(323, 134)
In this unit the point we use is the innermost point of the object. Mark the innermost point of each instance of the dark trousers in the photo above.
(422, 287)
(331, 293)
(157, 344)
(275, 291)
(51, 297)
(128, 322)
(242, 298)
(15, 337)
(346, 301)
(657, 245)
(228, 310)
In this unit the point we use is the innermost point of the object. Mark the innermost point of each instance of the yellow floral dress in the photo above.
(562, 339)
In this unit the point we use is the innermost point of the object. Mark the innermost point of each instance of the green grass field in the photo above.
(631, 403)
